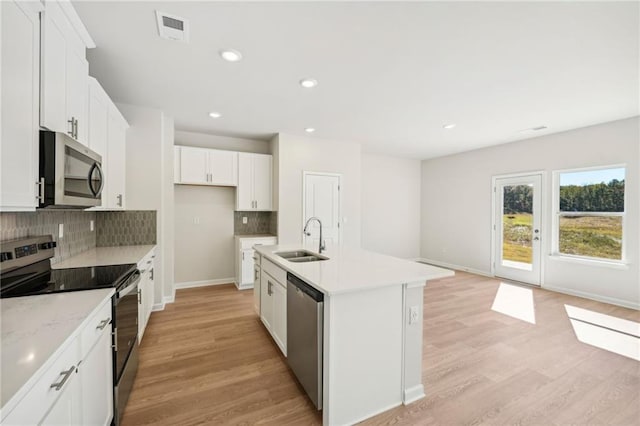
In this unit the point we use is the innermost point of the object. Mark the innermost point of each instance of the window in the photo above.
(590, 213)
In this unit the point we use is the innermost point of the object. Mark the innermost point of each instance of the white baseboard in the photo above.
(413, 394)
(455, 267)
(596, 297)
(204, 283)
(157, 307)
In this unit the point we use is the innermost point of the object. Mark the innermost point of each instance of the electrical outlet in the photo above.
(244, 220)
(413, 314)
(61, 230)
(91, 225)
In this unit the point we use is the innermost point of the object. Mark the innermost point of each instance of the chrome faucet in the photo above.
(308, 234)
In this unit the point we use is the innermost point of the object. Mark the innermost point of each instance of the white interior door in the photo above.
(322, 200)
(517, 231)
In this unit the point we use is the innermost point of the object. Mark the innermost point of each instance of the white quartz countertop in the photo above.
(102, 256)
(33, 329)
(350, 269)
(254, 236)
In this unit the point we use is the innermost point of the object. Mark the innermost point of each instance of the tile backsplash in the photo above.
(126, 228)
(77, 235)
(257, 223)
(110, 229)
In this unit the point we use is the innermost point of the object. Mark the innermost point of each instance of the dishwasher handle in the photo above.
(315, 294)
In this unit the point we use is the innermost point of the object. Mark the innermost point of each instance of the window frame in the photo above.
(557, 214)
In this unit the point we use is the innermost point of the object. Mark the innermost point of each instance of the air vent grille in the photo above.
(173, 23)
(172, 27)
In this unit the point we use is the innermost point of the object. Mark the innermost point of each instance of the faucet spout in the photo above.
(321, 245)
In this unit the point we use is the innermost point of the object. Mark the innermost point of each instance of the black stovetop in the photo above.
(39, 278)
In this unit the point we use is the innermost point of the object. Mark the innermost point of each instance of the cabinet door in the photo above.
(77, 83)
(142, 294)
(256, 289)
(148, 300)
(279, 331)
(98, 125)
(246, 258)
(96, 378)
(194, 165)
(244, 192)
(20, 52)
(116, 168)
(223, 166)
(67, 410)
(262, 182)
(266, 299)
(53, 96)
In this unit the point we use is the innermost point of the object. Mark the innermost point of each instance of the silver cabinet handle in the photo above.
(119, 200)
(40, 184)
(66, 374)
(75, 128)
(242, 255)
(103, 324)
(72, 123)
(139, 296)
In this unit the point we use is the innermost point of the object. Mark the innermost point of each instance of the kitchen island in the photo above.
(372, 326)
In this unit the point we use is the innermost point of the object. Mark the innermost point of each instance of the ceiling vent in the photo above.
(172, 27)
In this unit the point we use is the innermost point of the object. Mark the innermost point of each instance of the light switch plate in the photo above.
(61, 230)
(244, 220)
(91, 225)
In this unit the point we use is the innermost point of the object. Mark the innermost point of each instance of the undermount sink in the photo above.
(301, 256)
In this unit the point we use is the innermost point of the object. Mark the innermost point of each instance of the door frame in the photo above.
(544, 234)
(306, 173)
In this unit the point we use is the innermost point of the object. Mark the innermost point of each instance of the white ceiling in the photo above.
(390, 74)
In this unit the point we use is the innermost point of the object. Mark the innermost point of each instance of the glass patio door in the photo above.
(517, 228)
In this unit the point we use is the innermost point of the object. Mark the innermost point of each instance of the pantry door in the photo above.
(321, 199)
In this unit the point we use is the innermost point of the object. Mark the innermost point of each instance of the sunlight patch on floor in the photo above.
(516, 302)
(612, 334)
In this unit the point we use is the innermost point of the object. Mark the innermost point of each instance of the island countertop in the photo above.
(350, 269)
(103, 256)
(34, 329)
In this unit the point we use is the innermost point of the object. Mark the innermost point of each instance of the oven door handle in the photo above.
(131, 287)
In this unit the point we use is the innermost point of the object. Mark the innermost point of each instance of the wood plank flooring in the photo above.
(207, 359)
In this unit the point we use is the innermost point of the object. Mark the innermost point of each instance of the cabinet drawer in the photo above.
(41, 397)
(147, 261)
(275, 271)
(98, 324)
(247, 243)
(256, 258)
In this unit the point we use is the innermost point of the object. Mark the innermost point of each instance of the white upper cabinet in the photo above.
(107, 136)
(201, 166)
(254, 182)
(20, 50)
(64, 72)
(114, 197)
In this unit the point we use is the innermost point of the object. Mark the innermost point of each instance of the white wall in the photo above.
(205, 251)
(456, 205)
(391, 205)
(149, 183)
(297, 154)
(204, 140)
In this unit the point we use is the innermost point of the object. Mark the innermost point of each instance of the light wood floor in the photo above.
(206, 359)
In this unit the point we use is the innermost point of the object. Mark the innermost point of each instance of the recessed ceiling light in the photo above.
(449, 126)
(214, 114)
(309, 130)
(230, 55)
(308, 83)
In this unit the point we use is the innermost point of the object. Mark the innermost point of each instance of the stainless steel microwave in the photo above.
(70, 173)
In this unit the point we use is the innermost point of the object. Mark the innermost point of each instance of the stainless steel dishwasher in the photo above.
(304, 336)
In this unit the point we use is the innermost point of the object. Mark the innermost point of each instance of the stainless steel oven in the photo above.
(125, 342)
(70, 173)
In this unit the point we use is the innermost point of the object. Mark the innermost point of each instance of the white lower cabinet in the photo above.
(146, 289)
(77, 388)
(273, 303)
(245, 259)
